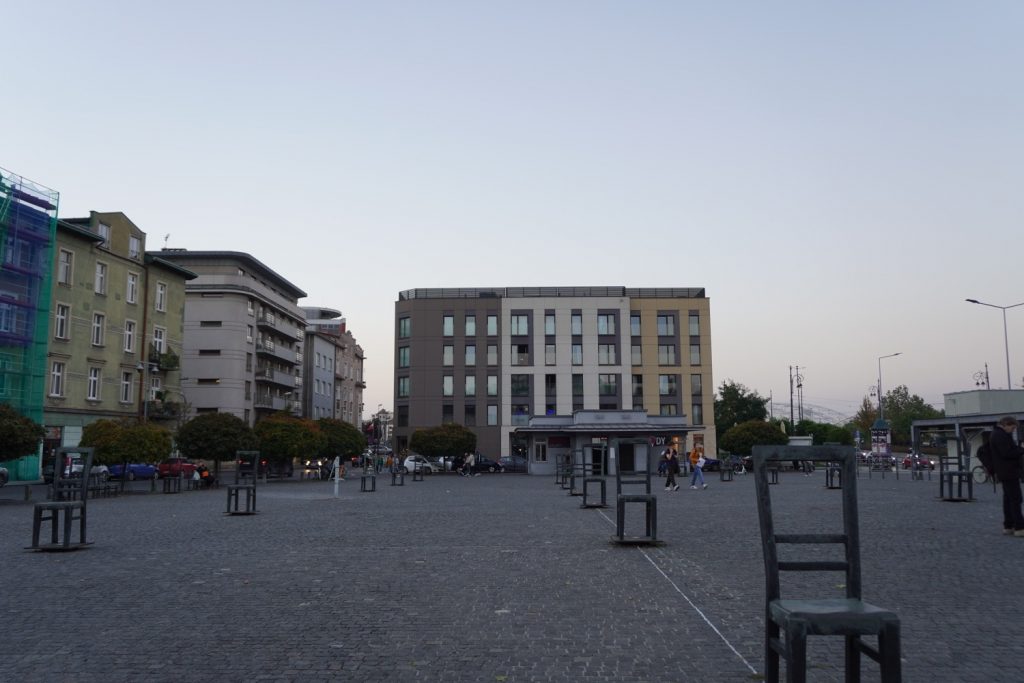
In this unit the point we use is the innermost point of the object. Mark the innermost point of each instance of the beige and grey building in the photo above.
(492, 358)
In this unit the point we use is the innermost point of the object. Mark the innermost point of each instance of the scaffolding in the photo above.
(28, 225)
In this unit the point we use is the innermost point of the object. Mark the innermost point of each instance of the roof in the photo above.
(523, 292)
(151, 257)
(248, 259)
(645, 429)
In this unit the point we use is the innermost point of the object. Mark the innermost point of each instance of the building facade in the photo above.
(244, 336)
(334, 367)
(492, 358)
(116, 328)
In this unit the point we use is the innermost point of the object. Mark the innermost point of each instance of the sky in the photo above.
(838, 176)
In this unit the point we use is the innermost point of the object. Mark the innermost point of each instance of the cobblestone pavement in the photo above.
(491, 578)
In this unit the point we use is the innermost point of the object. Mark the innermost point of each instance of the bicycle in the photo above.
(737, 465)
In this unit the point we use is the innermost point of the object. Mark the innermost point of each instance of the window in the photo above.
(577, 354)
(635, 355)
(576, 323)
(161, 296)
(520, 414)
(492, 325)
(694, 324)
(216, 352)
(520, 354)
(608, 385)
(131, 293)
(403, 387)
(577, 385)
(470, 385)
(209, 323)
(520, 325)
(65, 267)
(403, 356)
(549, 323)
(606, 324)
(402, 416)
(492, 354)
(492, 385)
(470, 354)
(669, 409)
(92, 390)
(251, 307)
(694, 354)
(470, 325)
(697, 414)
(98, 322)
(606, 354)
(159, 341)
(61, 318)
(57, 379)
(540, 452)
(634, 325)
(126, 387)
(638, 386)
(549, 355)
(100, 281)
(155, 385)
(447, 413)
(696, 388)
(134, 247)
(520, 385)
(550, 385)
(492, 415)
(666, 354)
(448, 325)
(129, 336)
(469, 418)
(447, 355)
(404, 328)
(103, 230)
(666, 325)
(447, 385)
(667, 385)
(248, 333)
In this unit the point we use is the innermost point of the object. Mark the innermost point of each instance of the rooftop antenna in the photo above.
(166, 237)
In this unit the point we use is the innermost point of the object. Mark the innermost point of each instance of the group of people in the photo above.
(465, 465)
(670, 466)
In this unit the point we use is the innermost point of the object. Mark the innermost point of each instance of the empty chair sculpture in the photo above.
(68, 504)
(249, 460)
(788, 622)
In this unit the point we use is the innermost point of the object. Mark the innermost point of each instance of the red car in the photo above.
(923, 462)
(172, 467)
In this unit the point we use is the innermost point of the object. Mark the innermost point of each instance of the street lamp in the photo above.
(144, 369)
(1006, 338)
(881, 414)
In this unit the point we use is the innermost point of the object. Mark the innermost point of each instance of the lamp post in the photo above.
(981, 379)
(1006, 338)
(881, 413)
(144, 369)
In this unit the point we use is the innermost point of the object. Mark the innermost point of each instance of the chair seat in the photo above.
(836, 616)
(59, 505)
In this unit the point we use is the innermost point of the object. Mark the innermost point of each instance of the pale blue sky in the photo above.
(839, 176)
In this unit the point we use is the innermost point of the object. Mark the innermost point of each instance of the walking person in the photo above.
(1006, 460)
(697, 463)
(671, 470)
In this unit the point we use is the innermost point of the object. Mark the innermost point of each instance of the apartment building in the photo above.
(244, 336)
(117, 327)
(334, 368)
(493, 358)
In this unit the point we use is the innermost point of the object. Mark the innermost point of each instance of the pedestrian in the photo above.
(697, 463)
(1006, 460)
(663, 464)
(467, 467)
(671, 470)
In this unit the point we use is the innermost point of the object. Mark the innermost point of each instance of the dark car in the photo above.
(485, 464)
(172, 467)
(922, 462)
(136, 470)
(712, 464)
(267, 468)
(512, 463)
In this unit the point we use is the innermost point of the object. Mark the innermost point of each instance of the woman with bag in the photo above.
(697, 461)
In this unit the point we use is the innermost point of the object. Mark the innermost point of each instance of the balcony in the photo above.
(275, 403)
(282, 353)
(166, 361)
(163, 410)
(275, 375)
(280, 325)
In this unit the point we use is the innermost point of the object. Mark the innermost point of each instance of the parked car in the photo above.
(712, 464)
(427, 467)
(922, 462)
(484, 464)
(172, 467)
(267, 468)
(73, 468)
(136, 470)
(513, 463)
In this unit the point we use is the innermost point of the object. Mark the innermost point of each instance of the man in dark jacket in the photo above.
(1006, 457)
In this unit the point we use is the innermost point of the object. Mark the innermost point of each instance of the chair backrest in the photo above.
(63, 483)
(251, 461)
(844, 457)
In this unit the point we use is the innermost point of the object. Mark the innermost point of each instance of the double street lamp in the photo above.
(881, 414)
(1006, 338)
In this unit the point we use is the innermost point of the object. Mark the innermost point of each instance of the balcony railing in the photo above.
(166, 361)
(163, 410)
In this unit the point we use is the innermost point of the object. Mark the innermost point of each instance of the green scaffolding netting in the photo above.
(28, 224)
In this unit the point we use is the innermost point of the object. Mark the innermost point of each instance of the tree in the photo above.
(215, 436)
(735, 404)
(19, 435)
(124, 442)
(340, 438)
(444, 440)
(902, 408)
(743, 437)
(283, 437)
(865, 417)
(824, 432)
(105, 437)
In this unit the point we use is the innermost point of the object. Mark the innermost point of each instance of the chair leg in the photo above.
(37, 522)
(771, 657)
(889, 653)
(796, 647)
(852, 659)
(81, 527)
(68, 518)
